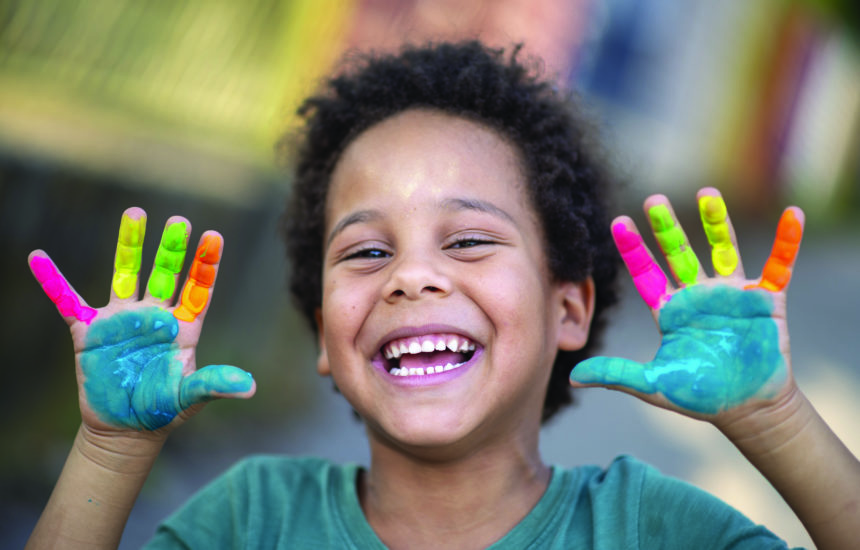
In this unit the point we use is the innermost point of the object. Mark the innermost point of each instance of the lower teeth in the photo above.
(420, 371)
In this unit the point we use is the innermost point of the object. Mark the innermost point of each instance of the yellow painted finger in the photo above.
(777, 270)
(201, 278)
(724, 256)
(129, 248)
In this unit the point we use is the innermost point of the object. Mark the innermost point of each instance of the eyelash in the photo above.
(368, 253)
(375, 253)
(469, 242)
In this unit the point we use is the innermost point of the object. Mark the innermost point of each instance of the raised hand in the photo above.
(136, 358)
(725, 339)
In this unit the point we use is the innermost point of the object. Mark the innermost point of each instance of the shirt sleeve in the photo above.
(211, 518)
(674, 514)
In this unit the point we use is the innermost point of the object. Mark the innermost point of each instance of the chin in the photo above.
(426, 437)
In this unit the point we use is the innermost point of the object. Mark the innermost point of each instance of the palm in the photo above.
(720, 348)
(132, 374)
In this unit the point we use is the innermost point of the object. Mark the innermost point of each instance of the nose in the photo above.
(413, 277)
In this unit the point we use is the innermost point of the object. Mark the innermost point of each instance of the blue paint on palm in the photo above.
(720, 348)
(133, 377)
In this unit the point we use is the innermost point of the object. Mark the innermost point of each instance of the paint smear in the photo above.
(714, 215)
(777, 270)
(129, 249)
(720, 349)
(134, 378)
(674, 244)
(647, 275)
(201, 277)
(59, 291)
(168, 261)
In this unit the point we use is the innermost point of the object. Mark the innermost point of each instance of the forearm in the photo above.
(96, 491)
(819, 478)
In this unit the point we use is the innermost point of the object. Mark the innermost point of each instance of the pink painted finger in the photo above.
(58, 290)
(649, 279)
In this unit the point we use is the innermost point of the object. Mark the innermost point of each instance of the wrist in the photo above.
(764, 429)
(129, 454)
(814, 472)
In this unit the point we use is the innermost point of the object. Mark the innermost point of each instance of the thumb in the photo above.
(612, 371)
(215, 381)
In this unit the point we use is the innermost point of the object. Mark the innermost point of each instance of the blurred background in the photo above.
(176, 106)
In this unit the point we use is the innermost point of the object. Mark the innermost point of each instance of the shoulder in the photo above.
(264, 500)
(268, 477)
(675, 514)
(630, 504)
(282, 469)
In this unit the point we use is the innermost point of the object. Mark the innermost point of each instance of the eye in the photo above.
(469, 242)
(367, 254)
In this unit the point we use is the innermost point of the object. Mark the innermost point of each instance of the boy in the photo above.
(449, 237)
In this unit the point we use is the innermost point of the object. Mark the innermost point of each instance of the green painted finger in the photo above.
(129, 249)
(168, 261)
(712, 209)
(674, 245)
(612, 371)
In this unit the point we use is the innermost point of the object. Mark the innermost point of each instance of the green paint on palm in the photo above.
(673, 243)
(168, 261)
(720, 349)
(134, 376)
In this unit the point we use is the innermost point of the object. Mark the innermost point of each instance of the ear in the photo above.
(323, 367)
(577, 309)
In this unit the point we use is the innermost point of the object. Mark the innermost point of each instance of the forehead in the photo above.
(427, 150)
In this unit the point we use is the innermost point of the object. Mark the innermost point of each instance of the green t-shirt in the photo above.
(279, 502)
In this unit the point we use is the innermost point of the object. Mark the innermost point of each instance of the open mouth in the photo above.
(424, 355)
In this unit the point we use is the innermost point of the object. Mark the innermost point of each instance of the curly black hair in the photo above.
(568, 182)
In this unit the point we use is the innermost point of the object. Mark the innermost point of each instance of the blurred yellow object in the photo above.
(187, 95)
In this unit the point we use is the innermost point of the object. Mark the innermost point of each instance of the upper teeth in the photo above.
(425, 344)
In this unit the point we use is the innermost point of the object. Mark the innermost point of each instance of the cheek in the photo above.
(525, 310)
(343, 310)
(516, 296)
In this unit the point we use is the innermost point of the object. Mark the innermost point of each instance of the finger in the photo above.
(71, 306)
(169, 259)
(777, 270)
(718, 230)
(215, 381)
(201, 278)
(612, 371)
(673, 241)
(647, 276)
(129, 249)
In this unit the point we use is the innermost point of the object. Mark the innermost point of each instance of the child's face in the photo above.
(431, 244)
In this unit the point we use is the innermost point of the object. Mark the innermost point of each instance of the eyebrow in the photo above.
(360, 216)
(365, 216)
(479, 205)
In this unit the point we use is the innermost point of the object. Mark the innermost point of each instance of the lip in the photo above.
(427, 379)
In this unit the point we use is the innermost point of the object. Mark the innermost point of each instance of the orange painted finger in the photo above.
(777, 270)
(201, 278)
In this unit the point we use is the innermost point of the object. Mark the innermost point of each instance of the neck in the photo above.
(466, 499)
